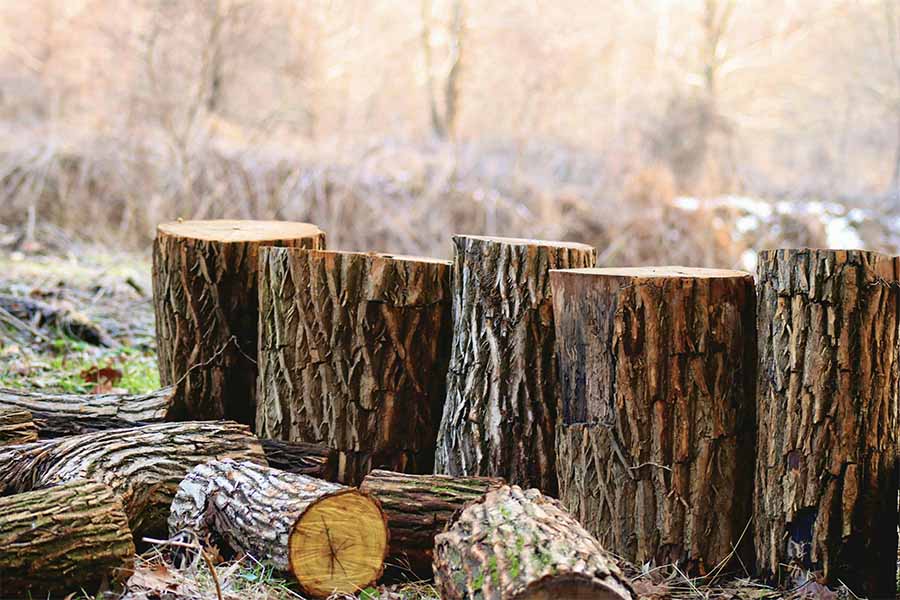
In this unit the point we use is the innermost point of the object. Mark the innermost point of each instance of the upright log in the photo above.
(353, 355)
(205, 293)
(57, 415)
(330, 537)
(655, 444)
(143, 465)
(417, 509)
(62, 539)
(500, 413)
(16, 426)
(521, 545)
(826, 486)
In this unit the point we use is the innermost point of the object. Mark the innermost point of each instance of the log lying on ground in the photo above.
(143, 465)
(418, 507)
(332, 538)
(205, 294)
(353, 355)
(16, 426)
(826, 486)
(69, 322)
(301, 458)
(516, 544)
(57, 415)
(656, 442)
(62, 539)
(500, 413)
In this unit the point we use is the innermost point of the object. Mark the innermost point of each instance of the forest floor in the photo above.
(114, 292)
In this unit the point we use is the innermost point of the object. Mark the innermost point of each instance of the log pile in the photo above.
(16, 426)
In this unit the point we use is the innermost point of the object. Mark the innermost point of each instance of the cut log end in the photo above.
(667, 272)
(239, 231)
(339, 544)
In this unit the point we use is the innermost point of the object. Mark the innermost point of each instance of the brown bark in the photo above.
(143, 465)
(353, 355)
(655, 444)
(205, 291)
(62, 539)
(16, 426)
(826, 487)
(330, 537)
(301, 458)
(417, 508)
(57, 415)
(500, 413)
(515, 544)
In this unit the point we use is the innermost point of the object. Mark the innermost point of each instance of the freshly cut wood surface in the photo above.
(16, 426)
(332, 538)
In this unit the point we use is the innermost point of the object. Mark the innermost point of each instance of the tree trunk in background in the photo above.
(143, 465)
(417, 508)
(523, 545)
(353, 355)
(57, 415)
(205, 294)
(826, 486)
(655, 444)
(16, 426)
(500, 413)
(61, 539)
(332, 538)
(301, 458)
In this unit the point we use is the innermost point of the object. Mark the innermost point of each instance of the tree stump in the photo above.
(655, 444)
(143, 465)
(500, 413)
(16, 426)
(332, 538)
(515, 544)
(417, 508)
(61, 539)
(353, 355)
(205, 293)
(826, 486)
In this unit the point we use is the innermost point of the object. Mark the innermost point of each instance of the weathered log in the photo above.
(353, 355)
(143, 465)
(515, 544)
(62, 539)
(57, 415)
(500, 415)
(417, 508)
(67, 321)
(826, 486)
(205, 293)
(16, 426)
(332, 538)
(301, 458)
(655, 443)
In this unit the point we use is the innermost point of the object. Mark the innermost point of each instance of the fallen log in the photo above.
(417, 508)
(500, 415)
(143, 465)
(515, 544)
(69, 322)
(205, 296)
(61, 539)
(353, 355)
(301, 458)
(16, 426)
(58, 415)
(330, 537)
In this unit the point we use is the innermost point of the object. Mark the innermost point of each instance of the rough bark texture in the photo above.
(353, 355)
(418, 507)
(515, 544)
(313, 460)
(826, 488)
(270, 514)
(16, 426)
(655, 444)
(143, 465)
(205, 292)
(500, 413)
(62, 539)
(57, 415)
